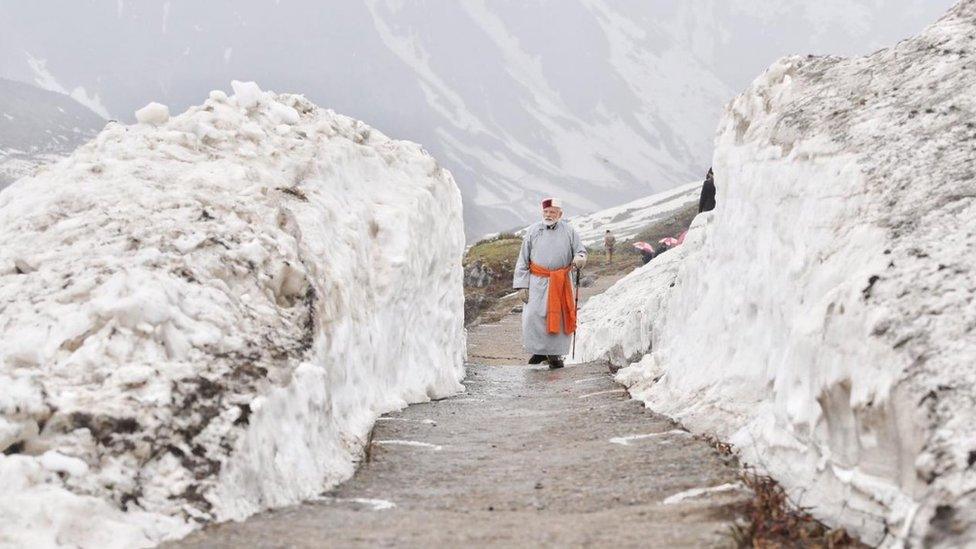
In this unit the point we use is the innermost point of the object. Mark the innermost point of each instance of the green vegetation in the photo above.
(625, 258)
(499, 251)
(496, 258)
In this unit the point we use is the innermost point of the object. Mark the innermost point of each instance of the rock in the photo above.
(478, 275)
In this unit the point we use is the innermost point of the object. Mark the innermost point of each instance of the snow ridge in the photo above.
(201, 317)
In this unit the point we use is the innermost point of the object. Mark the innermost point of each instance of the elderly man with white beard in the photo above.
(551, 248)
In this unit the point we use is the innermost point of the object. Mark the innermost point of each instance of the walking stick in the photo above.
(576, 305)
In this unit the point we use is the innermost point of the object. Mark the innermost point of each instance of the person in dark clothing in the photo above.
(609, 241)
(707, 201)
(646, 256)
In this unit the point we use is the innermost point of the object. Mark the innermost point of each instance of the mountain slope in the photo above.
(37, 126)
(628, 220)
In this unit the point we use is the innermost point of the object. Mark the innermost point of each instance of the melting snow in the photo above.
(699, 492)
(374, 504)
(625, 441)
(415, 443)
(607, 392)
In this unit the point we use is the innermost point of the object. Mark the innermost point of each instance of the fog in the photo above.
(594, 100)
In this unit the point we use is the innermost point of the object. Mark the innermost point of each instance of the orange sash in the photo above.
(560, 305)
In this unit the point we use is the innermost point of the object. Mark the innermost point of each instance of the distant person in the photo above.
(646, 256)
(608, 243)
(551, 248)
(707, 201)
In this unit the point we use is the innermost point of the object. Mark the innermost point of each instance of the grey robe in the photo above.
(553, 249)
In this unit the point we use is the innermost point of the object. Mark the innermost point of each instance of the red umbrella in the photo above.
(644, 247)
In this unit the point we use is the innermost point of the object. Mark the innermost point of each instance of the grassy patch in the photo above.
(772, 520)
(625, 259)
(501, 251)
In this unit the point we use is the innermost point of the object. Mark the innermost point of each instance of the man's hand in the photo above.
(579, 262)
(524, 295)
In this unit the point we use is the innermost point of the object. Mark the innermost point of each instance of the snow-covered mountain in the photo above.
(38, 126)
(599, 102)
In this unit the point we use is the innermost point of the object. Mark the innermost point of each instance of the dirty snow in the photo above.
(822, 317)
(373, 504)
(202, 319)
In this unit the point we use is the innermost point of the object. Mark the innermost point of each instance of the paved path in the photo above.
(527, 457)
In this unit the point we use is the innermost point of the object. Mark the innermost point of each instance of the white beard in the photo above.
(550, 223)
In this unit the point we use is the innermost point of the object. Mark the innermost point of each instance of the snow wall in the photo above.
(822, 317)
(201, 317)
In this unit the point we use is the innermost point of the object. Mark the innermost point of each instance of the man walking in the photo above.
(550, 251)
(608, 242)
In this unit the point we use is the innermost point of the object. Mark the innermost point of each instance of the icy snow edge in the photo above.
(203, 316)
(822, 318)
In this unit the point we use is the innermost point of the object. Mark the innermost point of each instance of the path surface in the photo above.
(527, 457)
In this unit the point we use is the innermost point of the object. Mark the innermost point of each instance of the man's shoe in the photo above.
(555, 362)
(536, 359)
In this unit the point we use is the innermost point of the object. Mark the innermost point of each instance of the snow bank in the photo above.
(202, 319)
(822, 317)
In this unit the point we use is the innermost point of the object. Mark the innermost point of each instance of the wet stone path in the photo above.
(527, 457)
